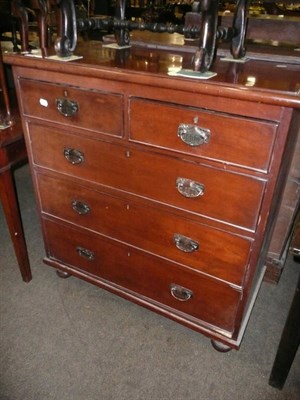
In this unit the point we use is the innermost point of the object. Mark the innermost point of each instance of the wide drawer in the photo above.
(88, 109)
(211, 135)
(157, 280)
(195, 188)
(195, 245)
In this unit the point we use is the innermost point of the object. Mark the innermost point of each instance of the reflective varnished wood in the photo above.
(264, 82)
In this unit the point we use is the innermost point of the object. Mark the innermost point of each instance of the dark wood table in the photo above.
(290, 338)
(13, 153)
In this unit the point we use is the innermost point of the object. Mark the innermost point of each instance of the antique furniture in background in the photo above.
(290, 338)
(12, 153)
(286, 221)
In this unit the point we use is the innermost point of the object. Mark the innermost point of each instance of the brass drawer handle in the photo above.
(189, 188)
(185, 244)
(74, 156)
(193, 135)
(85, 253)
(80, 207)
(66, 107)
(180, 293)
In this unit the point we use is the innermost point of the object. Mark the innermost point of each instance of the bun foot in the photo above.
(62, 274)
(221, 347)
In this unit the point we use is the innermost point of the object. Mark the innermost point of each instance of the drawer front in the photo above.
(219, 194)
(212, 251)
(148, 276)
(200, 133)
(87, 109)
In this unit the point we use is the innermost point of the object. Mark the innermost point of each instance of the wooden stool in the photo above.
(12, 153)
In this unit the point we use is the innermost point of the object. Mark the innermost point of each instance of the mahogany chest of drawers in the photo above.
(160, 189)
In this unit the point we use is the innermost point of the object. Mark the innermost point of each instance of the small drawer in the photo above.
(198, 246)
(207, 134)
(185, 293)
(87, 109)
(198, 189)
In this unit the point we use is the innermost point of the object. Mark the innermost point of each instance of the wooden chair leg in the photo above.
(288, 345)
(13, 217)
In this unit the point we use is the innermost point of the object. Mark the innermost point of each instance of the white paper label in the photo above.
(44, 102)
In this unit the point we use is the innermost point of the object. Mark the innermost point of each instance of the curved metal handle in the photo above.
(66, 107)
(85, 253)
(208, 34)
(74, 156)
(180, 293)
(80, 207)
(193, 135)
(189, 188)
(66, 40)
(185, 243)
(239, 25)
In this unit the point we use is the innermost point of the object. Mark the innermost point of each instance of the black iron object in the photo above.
(122, 33)
(240, 20)
(200, 24)
(66, 41)
(208, 9)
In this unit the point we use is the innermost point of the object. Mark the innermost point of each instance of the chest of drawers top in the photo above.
(258, 81)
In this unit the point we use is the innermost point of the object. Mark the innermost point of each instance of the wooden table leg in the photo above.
(288, 345)
(13, 217)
